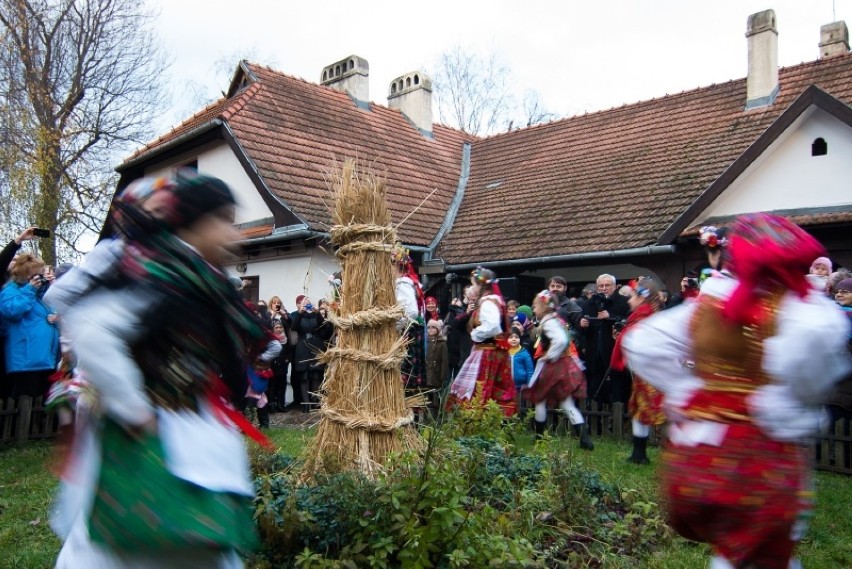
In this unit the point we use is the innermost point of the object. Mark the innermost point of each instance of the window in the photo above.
(251, 289)
(819, 147)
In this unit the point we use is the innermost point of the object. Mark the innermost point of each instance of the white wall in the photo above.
(306, 273)
(786, 176)
(217, 159)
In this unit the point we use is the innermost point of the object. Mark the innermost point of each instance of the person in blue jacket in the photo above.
(522, 365)
(31, 336)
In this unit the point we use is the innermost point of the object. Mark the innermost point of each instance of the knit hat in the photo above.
(845, 284)
(437, 324)
(525, 310)
(299, 300)
(822, 261)
(197, 195)
(521, 318)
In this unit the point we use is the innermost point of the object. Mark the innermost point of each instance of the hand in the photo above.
(603, 314)
(36, 281)
(471, 307)
(53, 318)
(456, 302)
(26, 235)
(584, 322)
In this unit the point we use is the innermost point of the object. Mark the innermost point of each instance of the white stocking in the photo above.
(541, 411)
(571, 411)
(640, 430)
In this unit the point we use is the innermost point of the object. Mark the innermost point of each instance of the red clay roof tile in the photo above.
(618, 178)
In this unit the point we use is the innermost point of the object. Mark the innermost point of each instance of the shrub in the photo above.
(471, 498)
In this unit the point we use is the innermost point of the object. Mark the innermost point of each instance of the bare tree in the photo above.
(473, 93)
(476, 95)
(79, 82)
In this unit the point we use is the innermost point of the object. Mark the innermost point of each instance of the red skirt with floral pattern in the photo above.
(560, 379)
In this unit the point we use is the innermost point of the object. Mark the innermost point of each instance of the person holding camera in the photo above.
(600, 313)
(567, 309)
(313, 333)
(32, 338)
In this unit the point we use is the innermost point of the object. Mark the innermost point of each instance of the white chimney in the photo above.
(412, 94)
(350, 75)
(833, 39)
(762, 83)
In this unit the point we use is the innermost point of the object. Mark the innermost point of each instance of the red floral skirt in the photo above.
(742, 497)
(493, 373)
(646, 403)
(559, 380)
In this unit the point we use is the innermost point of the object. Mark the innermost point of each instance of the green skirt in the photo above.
(140, 506)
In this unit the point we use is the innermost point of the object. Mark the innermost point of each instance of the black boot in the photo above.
(640, 455)
(582, 432)
(540, 427)
(263, 417)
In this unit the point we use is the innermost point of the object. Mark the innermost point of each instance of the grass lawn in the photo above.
(27, 485)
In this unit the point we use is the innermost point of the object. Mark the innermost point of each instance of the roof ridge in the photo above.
(241, 100)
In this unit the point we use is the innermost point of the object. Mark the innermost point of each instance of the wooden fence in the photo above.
(27, 419)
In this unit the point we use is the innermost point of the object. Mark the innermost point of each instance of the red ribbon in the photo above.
(216, 397)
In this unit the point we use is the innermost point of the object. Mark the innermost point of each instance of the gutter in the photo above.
(144, 157)
(453, 210)
(302, 232)
(573, 257)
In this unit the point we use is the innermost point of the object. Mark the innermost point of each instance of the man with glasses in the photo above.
(600, 312)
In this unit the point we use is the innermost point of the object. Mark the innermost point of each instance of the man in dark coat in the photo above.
(566, 308)
(599, 315)
(314, 333)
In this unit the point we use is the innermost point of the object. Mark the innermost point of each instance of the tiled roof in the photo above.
(803, 219)
(297, 132)
(618, 178)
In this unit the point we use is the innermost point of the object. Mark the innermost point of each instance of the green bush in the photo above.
(472, 498)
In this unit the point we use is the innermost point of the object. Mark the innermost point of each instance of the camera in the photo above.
(691, 283)
(600, 301)
(41, 233)
(618, 326)
(309, 307)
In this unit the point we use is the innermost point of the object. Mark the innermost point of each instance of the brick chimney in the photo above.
(412, 94)
(833, 39)
(762, 83)
(350, 75)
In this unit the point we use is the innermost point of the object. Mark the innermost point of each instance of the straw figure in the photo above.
(364, 415)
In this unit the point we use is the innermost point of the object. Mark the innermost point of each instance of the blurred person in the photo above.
(833, 280)
(743, 370)
(714, 240)
(277, 312)
(7, 255)
(646, 403)
(689, 287)
(558, 380)
(164, 367)
(486, 374)
(278, 384)
(458, 340)
(819, 273)
(31, 344)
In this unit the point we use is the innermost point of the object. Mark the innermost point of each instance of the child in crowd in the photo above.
(512, 309)
(820, 270)
(432, 311)
(278, 384)
(522, 362)
(437, 362)
(558, 379)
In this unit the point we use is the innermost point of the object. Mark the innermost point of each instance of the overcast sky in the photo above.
(578, 55)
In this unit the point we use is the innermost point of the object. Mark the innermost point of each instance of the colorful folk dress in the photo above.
(646, 403)
(486, 375)
(560, 376)
(735, 473)
(414, 365)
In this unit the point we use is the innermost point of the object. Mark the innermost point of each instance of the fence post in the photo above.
(840, 446)
(618, 420)
(25, 409)
(6, 420)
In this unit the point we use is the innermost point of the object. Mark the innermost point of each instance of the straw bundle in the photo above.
(364, 415)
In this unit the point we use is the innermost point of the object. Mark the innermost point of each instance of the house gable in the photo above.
(787, 176)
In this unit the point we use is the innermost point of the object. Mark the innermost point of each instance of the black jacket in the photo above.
(314, 333)
(597, 338)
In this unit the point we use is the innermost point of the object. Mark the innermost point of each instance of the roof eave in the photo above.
(570, 257)
(812, 96)
(157, 151)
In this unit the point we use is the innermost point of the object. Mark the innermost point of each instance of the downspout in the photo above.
(453, 210)
(573, 257)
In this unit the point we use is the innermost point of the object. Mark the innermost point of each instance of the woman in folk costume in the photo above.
(409, 294)
(159, 478)
(646, 403)
(744, 369)
(558, 380)
(487, 372)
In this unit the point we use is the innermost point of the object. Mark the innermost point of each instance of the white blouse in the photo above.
(805, 358)
(489, 319)
(555, 332)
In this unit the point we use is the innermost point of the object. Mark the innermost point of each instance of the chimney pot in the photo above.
(833, 39)
(412, 95)
(350, 75)
(762, 82)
